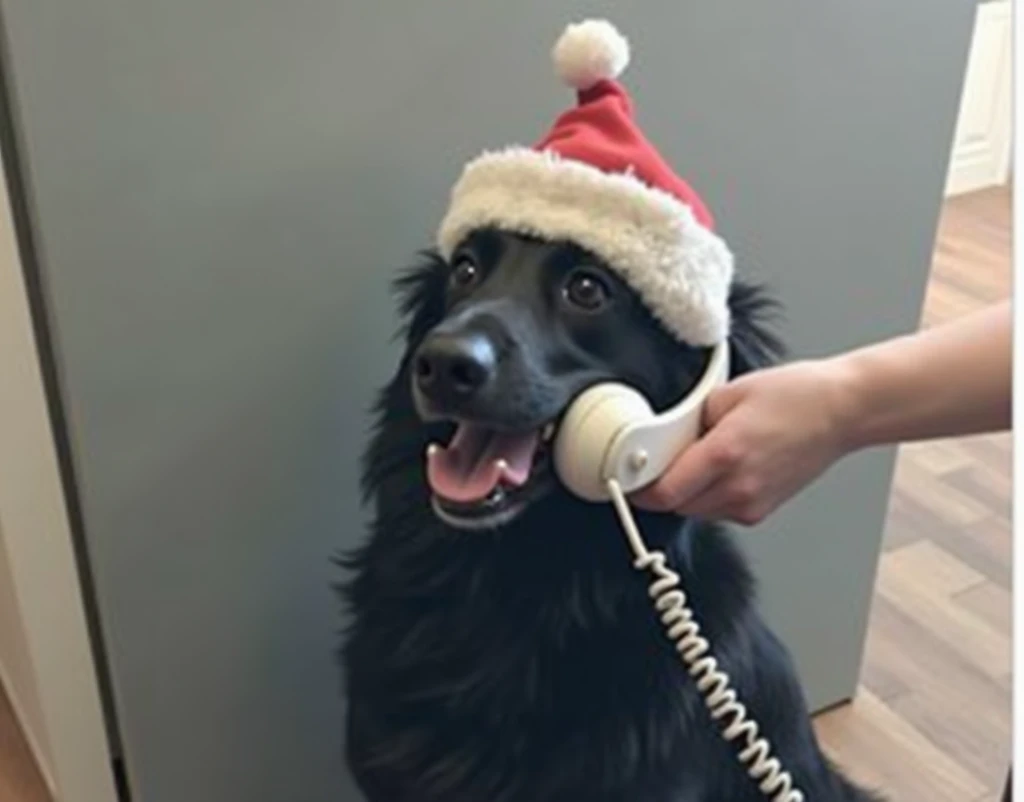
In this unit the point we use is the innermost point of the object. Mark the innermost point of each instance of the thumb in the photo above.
(721, 401)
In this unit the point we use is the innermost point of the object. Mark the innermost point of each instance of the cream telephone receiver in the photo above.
(611, 443)
(611, 432)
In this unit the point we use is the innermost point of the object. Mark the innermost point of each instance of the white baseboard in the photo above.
(38, 753)
(976, 168)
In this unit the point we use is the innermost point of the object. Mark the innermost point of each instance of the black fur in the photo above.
(527, 664)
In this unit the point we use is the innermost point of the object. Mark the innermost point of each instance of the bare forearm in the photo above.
(952, 380)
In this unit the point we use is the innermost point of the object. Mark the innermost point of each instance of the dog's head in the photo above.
(503, 336)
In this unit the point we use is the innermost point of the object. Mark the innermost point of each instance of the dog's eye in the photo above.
(586, 291)
(464, 273)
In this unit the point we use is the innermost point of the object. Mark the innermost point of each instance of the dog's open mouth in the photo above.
(484, 477)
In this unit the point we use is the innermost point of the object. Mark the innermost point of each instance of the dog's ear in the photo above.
(421, 297)
(753, 343)
(397, 431)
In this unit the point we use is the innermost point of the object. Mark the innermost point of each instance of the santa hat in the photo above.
(596, 181)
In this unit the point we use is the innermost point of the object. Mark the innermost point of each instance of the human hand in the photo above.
(768, 434)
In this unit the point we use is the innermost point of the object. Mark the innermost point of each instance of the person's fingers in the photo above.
(702, 463)
(711, 502)
(721, 401)
(694, 471)
(722, 508)
(734, 498)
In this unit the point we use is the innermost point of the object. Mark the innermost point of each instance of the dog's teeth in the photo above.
(433, 449)
(548, 432)
(501, 465)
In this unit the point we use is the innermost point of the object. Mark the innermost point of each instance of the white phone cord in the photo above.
(670, 601)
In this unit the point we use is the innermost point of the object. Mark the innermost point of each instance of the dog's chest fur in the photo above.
(530, 664)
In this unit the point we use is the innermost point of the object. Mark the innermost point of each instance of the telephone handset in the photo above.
(611, 443)
(611, 432)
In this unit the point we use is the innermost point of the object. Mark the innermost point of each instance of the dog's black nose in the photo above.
(454, 367)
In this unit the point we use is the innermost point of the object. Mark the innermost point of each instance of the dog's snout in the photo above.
(454, 367)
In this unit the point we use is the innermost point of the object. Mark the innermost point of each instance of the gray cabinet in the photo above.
(220, 192)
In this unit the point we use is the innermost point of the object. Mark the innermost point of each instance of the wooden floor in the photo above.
(19, 778)
(932, 721)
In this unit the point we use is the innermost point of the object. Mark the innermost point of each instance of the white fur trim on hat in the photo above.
(590, 51)
(680, 269)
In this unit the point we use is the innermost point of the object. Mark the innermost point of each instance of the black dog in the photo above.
(522, 661)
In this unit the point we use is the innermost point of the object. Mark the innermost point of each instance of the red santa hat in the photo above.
(595, 180)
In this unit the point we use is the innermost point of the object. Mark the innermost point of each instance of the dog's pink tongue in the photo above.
(476, 460)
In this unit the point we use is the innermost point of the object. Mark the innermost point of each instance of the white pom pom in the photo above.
(590, 51)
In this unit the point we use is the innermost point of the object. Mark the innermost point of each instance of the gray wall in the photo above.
(222, 189)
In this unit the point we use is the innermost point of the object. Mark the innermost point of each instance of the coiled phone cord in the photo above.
(684, 631)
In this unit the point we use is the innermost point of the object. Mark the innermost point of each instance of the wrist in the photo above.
(848, 401)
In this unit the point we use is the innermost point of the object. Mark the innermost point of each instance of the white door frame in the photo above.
(983, 140)
(38, 544)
